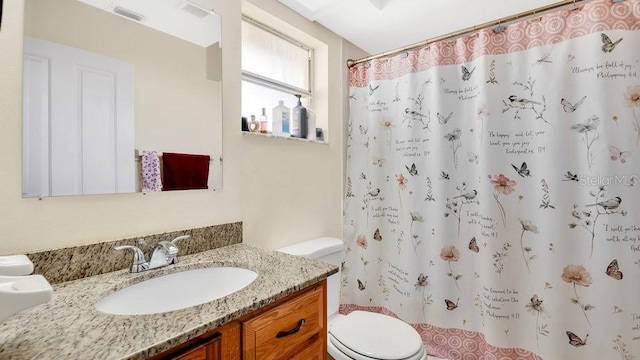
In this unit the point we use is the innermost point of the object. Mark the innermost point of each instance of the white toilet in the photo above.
(360, 335)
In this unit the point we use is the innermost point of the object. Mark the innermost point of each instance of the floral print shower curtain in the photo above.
(492, 188)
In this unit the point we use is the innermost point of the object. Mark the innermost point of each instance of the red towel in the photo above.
(184, 171)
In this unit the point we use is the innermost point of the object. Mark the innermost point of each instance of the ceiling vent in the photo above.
(128, 13)
(195, 10)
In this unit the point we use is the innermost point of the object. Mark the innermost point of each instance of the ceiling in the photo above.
(378, 26)
(189, 20)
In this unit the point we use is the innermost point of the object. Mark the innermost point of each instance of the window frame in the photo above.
(275, 84)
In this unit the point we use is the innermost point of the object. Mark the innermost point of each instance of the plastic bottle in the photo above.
(311, 124)
(299, 120)
(245, 124)
(281, 116)
(254, 125)
(264, 122)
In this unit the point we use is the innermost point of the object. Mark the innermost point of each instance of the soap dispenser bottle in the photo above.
(299, 120)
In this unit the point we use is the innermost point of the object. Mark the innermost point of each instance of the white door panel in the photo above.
(91, 120)
(35, 127)
(97, 110)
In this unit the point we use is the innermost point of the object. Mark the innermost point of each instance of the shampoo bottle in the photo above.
(281, 115)
(299, 120)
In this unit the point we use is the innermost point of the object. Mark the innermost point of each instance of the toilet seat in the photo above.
(370, 336)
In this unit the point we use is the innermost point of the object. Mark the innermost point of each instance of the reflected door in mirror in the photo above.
(78, 122)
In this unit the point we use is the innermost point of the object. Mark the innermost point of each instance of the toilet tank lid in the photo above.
(314, 248)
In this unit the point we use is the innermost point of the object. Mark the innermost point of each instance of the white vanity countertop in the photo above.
(69, 327)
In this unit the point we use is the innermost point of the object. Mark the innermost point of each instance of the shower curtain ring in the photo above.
(535, 19)
(575, 5)
(449, 40)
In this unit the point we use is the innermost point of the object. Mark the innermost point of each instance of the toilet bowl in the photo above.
(360, 335)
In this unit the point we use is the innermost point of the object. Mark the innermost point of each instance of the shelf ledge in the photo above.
(284, 137)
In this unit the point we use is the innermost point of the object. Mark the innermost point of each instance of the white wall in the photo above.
(282, 191)
(293, 189)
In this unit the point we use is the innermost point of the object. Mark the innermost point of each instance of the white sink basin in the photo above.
(176, 291)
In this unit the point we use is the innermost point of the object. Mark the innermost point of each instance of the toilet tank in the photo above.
(324, 249)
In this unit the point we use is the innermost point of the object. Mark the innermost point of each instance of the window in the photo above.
(274, 67)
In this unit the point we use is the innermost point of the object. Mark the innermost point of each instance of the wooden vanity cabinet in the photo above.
(222, 343)
(293, 328)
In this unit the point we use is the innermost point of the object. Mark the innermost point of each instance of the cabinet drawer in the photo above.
(279, 332)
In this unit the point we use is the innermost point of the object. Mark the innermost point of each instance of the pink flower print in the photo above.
(503, 184)
(632, 96)
(362, 241)
(632, 100)
(578, 275)
(402, 181)
(451, 254)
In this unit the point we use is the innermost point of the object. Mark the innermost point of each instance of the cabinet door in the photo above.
(222, 343)
(230, 345)
(282, 331)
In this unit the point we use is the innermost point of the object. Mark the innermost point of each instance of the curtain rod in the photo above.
(507, 19)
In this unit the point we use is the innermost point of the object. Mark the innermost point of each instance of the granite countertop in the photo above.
(69, 327)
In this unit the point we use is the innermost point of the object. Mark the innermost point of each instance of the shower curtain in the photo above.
(491, 188)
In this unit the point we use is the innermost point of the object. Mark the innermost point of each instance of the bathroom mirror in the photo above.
(105, 80)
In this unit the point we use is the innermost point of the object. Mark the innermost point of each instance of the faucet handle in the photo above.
(139, 262)
(183, 237)
(172, 254)
(168, 248)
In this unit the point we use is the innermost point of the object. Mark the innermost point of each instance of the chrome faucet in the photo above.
(165, 253)
(140, 264)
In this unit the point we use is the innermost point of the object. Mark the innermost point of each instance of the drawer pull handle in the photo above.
(282, 334)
